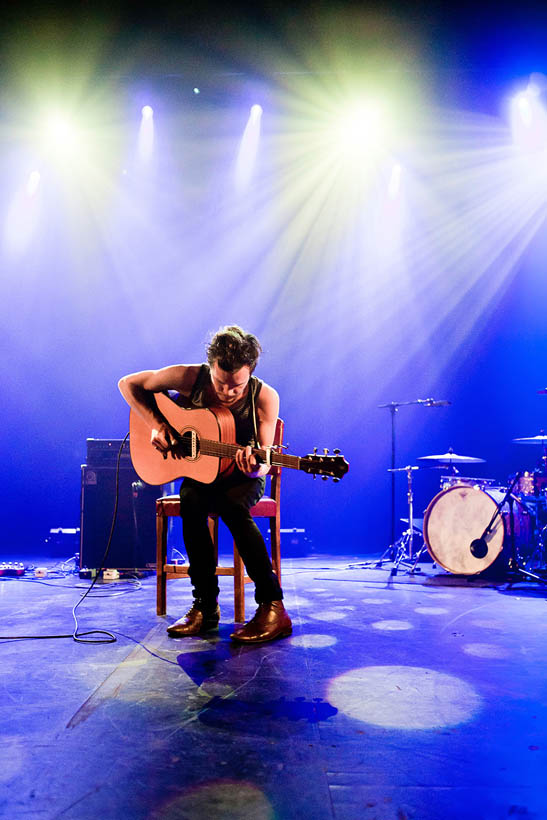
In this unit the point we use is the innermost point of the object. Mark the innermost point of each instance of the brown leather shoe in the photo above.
(195, 622)
(271, 621)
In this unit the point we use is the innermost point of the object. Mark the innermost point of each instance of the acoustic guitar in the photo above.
(206, 448)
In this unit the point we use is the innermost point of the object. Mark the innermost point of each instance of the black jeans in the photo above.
(231, 498)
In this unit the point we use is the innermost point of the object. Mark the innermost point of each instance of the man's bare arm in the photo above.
(138, 390)
(267, 411)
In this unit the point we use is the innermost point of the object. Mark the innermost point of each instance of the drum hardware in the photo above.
(541, 439)
(401, 551)
(466, 528)
(393, 407)
(404, 546)
(514, 567)
(482, 483)
(451, 458)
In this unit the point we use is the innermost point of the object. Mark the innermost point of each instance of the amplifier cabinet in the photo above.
(133, 543)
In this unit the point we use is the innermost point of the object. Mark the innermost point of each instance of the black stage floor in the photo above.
(395, 698)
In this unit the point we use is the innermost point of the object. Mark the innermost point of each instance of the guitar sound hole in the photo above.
(189, 444)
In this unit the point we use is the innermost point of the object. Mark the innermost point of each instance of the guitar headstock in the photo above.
(325, 465)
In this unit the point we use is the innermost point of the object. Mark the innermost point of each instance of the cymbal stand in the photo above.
(401, 551)
(405, 544)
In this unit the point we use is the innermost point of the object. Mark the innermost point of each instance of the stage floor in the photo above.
(395, 698)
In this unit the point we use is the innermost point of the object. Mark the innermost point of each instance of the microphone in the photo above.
(479, 547)
(434, 403)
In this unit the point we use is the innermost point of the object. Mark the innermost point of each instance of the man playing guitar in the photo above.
(227, 381)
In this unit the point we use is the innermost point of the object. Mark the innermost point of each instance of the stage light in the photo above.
(360, 127)
(248, 148)
(146, 133)
(61, 136)
(523, 105)
(33, 183)
(22, 217)
(529, 120)
(394, 186)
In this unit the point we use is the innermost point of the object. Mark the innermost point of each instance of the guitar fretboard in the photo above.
(226, 450)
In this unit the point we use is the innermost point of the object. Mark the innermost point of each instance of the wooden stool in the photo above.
(267, 507)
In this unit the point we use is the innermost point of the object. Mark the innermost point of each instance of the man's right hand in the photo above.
(164, 440)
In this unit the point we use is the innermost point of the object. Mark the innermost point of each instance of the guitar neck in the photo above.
(222, 449)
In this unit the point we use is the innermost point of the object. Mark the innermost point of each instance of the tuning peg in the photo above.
(325, 451)
(315, 451)
(335, 480)
(325, 477)
(336, 451)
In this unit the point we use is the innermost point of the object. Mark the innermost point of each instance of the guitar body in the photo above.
(215, 424)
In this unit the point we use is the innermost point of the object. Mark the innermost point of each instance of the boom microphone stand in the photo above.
(393, 406)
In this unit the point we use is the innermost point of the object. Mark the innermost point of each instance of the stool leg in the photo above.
(275, 546)
(239, 588)
(161, 557)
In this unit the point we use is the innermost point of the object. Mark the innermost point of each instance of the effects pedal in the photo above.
(11, 569)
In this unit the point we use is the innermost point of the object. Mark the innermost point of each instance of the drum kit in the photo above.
(477, 524)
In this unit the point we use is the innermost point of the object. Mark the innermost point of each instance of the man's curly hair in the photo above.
(231, 348)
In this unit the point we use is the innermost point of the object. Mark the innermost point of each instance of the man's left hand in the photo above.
(248, 464)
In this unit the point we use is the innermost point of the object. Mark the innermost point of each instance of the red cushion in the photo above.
(265, 507)
(170, 505)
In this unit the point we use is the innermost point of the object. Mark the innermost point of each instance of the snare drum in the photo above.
(459, 515)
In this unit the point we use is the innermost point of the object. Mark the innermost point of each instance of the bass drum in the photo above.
(455, 518)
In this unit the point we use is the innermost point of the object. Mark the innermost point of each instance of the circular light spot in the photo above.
(226, 798)
(431, 610)
(195, 645)
(438, 594)
(392, 626)
(329, 615)
(376, 601)
(13, 763)
(485, 650)
(313, 641)
(404, 697)
(297, 601)
(488, 624)
(214, 689)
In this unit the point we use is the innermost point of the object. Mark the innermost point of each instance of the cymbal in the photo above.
(452, 458)
(531, 440)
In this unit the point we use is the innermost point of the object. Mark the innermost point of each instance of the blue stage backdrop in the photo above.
(373, 271)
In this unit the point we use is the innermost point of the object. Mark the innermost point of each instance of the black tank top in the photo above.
(244, 412)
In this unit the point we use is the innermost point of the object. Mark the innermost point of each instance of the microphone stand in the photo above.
(393, 553)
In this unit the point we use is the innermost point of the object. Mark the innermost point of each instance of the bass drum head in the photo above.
(455, 518)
